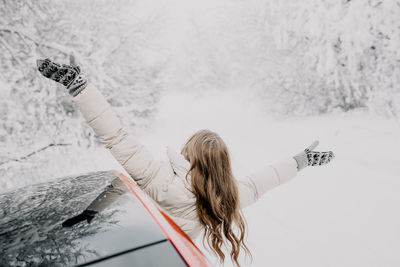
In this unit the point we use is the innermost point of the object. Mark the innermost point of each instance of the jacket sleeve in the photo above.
(252, 187)
(131, 154)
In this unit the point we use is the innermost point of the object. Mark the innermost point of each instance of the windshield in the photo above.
(31, 218)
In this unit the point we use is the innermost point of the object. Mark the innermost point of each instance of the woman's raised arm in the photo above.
(254, 186)
(130, 153)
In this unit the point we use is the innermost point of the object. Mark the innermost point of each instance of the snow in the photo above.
(247, 70)
(342, 214)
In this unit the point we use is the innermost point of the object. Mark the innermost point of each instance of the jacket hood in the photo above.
(179, 164)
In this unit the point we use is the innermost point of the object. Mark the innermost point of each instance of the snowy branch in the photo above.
(34, 153)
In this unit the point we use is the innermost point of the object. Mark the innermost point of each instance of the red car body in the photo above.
(131, 230)
(182, 243)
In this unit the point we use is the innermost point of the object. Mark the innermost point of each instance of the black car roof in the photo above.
(30, 223)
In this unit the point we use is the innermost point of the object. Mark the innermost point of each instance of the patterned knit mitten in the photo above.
(308, 157)
(69, 76)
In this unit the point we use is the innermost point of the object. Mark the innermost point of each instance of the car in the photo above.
(132, 231)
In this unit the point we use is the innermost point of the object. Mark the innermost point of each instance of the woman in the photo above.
(196, 187)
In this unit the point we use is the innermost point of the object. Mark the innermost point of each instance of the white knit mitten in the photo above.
(308, 157)
(68, 75)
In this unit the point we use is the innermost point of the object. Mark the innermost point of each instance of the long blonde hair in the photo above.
(216, 191)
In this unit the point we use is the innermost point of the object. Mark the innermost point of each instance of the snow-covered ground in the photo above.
(342, 214)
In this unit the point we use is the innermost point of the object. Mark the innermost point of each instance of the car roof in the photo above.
(30, 223)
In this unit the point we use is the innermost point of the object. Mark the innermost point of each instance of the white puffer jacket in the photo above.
(165, 181)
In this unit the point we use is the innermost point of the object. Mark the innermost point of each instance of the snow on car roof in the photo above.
(31, 218)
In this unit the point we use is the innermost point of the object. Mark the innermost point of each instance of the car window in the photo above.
(31, 231)
(160, 254)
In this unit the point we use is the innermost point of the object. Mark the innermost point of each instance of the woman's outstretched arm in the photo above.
(252, 187)
(130, 153)
(255, 185)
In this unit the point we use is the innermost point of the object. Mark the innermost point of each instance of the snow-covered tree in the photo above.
(343, 54)
(301, 56)
(107, 39)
